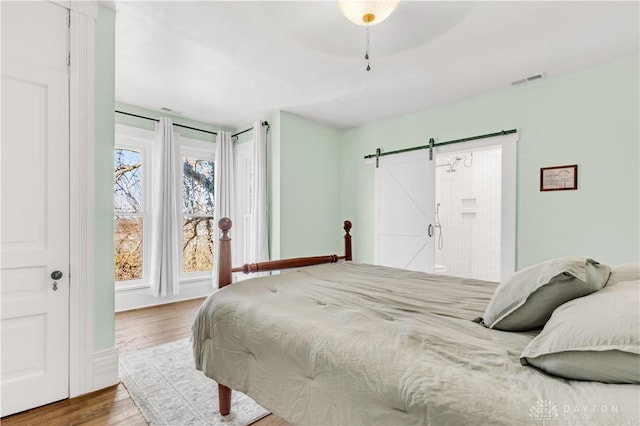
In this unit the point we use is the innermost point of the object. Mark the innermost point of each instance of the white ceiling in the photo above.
(232, 62)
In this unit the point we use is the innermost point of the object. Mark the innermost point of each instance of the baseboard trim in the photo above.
(141, 298)
(105, 368)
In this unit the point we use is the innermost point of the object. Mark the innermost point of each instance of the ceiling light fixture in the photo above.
(366, 14)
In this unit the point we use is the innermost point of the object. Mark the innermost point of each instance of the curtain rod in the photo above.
(431, 145)
(175, 124)
(244, 131)
(264, 123)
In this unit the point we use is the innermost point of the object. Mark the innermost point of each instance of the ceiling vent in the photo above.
(528, 79)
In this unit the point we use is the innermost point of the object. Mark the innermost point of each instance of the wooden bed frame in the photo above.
(225, 273)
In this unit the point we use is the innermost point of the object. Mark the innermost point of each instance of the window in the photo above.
(128, 214)
(131, 169)
(198, 204)
(133, 221)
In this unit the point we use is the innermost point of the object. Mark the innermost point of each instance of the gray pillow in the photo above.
(527, 299)
(624, 272)
(592, 338)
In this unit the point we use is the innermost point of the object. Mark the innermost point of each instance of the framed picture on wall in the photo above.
(559, 178)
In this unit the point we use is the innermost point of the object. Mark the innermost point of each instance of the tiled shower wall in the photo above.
(468, 241)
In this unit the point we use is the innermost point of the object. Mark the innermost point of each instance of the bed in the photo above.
(349, 343)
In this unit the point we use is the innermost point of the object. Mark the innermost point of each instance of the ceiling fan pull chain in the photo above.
(366, 53)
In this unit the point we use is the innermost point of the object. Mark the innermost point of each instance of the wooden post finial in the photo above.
(347, 241)
(225, 224)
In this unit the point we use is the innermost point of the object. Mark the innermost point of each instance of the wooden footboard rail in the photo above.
(225, 273)
(225, 270)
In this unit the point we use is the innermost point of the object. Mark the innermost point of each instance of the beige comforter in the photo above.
(360, 344)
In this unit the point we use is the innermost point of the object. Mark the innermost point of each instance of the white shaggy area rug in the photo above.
(168, 390)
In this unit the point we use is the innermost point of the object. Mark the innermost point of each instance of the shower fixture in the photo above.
(455, 160)
(438, 225)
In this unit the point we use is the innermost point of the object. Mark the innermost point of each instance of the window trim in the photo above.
(141, 140)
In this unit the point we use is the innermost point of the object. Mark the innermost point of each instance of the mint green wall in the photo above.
(104, 299)
(308, 209)
(589, 117)
(273, 158)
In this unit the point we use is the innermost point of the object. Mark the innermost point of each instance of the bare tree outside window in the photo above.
(128, 214)
(198, 206)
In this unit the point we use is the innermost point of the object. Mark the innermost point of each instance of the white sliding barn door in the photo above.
(35, 205)
(404, 211)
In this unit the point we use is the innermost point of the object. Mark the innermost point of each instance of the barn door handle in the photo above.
(430, 230)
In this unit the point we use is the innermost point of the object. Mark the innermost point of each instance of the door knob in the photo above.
(56, 275)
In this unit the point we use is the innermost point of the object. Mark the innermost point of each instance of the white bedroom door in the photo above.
(404, 211)
(35, 206)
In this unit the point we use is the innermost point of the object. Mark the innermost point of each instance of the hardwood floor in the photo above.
(141, 328)
(111, 406)
(137, 329)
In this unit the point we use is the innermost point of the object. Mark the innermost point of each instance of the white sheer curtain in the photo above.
(165, 212)
(258, 250)
(224, 190)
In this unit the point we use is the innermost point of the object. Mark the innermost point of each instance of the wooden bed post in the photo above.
(347, 240)
(224, 267)
(225, 271)
(224, 278)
